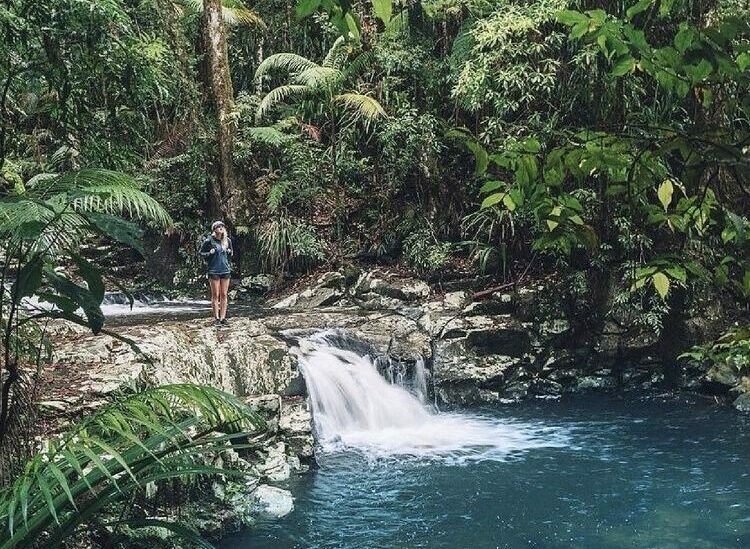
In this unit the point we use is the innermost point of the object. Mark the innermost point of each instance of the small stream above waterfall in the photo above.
(585, 471)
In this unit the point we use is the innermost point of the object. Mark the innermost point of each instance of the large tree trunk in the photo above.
(222, 187)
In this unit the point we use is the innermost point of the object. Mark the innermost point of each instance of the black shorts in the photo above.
(212, 276)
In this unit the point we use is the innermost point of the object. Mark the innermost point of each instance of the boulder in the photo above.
(455, 300)
(742, 403)
(486, 335)
(288, 302)
(595, 383)
(500, 305)
(402, 289)
(723, 374)
(259, 283)
(243, 360)
(295, 426)
(272, 502)
(274, 467)
(331, 279)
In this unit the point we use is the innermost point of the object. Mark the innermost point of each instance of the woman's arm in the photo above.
(207, 249)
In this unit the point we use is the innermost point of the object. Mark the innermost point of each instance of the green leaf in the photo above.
(118, 229)
(532, 146)
(623, 65)
(491, 186)
(508, 201)
(639, 7)
(491, 200)
(678, 273)
(552, 223)
(684, 38)
(481, 157)
(665, 193)
(661, 283)
(29, 279)
(306, 8)
(571, 18)
(665, 7)
(700, 72)
(92, 275)
(62, 481)
(81, 296)
(383, 10)
(352, 24)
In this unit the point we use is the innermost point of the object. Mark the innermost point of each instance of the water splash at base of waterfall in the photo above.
(354, 408)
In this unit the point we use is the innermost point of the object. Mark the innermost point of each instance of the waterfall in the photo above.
(420, 380)
(355, 408)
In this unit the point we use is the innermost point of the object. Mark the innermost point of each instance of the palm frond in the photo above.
(337, 54)
(233, 12)
(106, 191)
(363, 61)
(268, 135)
(363, 106)
(160, 433)
(317, 76)
(288, 62)
(277, 96)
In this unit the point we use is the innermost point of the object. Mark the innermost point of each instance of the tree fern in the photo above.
(364, 107)
(337, 54)
(287, 62)
(233, 12)
(315, 77)
(268, 135)
(322, 83)
(277, 96)
(161, 433)
(53, 213)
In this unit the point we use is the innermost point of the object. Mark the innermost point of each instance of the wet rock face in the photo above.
(243, 360)
(504, 347)
(742, 403)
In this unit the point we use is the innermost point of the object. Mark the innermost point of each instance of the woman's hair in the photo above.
(224, 239)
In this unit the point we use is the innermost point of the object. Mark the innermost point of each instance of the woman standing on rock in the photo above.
(217, 249)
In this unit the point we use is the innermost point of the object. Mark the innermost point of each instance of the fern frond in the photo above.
(157, 434)
(277, 96)
(106, 191)
(360, 63)
(288, 62)
(268, 135)
(337, 54)
(317, 76)
(233, 12)
(362, 106)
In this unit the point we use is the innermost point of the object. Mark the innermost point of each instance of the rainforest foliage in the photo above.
(475, 136)
(604, 145)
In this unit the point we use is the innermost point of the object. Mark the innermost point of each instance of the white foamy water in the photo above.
(354, 408)
(115, 305)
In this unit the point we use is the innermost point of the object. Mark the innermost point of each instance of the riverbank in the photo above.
(502, 347)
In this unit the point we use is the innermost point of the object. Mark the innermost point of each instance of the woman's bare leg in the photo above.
(215, 295)
(224, 290)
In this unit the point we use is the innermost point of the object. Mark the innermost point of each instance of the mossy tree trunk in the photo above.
(222, 187)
